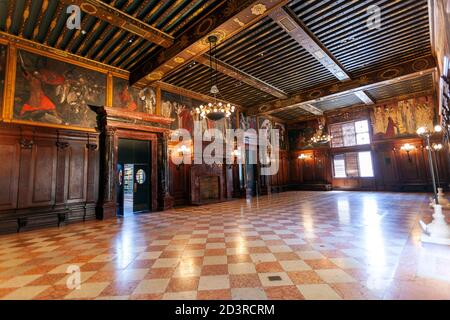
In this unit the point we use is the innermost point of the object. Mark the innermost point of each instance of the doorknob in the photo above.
(135, 187)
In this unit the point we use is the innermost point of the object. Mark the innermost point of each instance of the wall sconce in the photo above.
(182, 151)
(408, 148)
(236, 154)
(303, 157)
(437, 147)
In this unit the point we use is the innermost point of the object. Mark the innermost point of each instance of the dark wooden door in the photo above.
(141, 188)
(120, 189)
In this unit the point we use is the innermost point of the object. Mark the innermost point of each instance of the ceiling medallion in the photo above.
(204, 26)
(88, 8)
(178, 60)
(258, 9)
(219, 34)
(390, 73)
(214, 110)
(156, 75)
(420, 64)
(263, 108)
(315, 94)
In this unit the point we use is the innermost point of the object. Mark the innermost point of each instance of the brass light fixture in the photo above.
(215, 110)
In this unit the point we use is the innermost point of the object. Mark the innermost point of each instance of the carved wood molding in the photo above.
(394, 74)
(65, 56)
(122, 20)
(225, 20)
(240, 75)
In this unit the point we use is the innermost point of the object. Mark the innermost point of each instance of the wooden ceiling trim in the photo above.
(237, 74)
(124, 42)
(59, 54)
(25, 16)
(167, 12)
(364, 97)
(289, 21)
(57, 15)
(226, 20)
(123, 21)
(9, 19)
(400, 72)
(193, 13)
(135, 43)
(180, 15)
(188, 93)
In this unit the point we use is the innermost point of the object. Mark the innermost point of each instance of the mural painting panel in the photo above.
(133, 98)
(57, 93)
(402, 118)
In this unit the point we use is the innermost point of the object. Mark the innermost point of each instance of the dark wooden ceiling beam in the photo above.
(225, 20)
(289, 22)
(123, 20)
(390, 75)
(240, 75)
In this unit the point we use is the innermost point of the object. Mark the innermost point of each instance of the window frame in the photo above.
(341, 124)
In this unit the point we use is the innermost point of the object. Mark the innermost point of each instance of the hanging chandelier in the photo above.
(215, 110)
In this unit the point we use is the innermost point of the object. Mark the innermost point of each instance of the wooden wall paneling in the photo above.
(9, 174)
(77, 172)
(37, 183)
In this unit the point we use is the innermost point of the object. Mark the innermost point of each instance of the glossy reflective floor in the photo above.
(294, 245)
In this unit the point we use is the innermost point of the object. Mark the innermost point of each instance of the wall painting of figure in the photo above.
(402, 118)
(56, 93)
(133, 98)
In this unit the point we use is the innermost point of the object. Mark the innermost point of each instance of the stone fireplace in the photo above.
(207, 184)
(209, 187)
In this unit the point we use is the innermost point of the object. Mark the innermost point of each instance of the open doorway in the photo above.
(134, 187)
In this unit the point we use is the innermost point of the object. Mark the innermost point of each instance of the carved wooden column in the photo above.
(107, 194)
(165, 201)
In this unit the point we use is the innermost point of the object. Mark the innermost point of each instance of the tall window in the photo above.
(350, 134)
(353, 165)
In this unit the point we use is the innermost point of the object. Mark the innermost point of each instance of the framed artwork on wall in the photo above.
(56, 93)
(132, 98)
(403, 117)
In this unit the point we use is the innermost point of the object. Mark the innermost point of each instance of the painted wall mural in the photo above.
(300, 134)
(2, 72)
(133, 98)
(182, 109)
(55, 92)
(247, 122)
(402, 118)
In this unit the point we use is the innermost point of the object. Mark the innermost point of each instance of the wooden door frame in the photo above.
(142, 136)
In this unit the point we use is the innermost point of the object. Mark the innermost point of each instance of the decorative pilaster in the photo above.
(107, 193)
(165, 201)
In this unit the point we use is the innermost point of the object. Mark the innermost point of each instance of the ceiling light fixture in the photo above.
(214, 110)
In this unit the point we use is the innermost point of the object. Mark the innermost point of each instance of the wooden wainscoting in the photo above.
(49, 176)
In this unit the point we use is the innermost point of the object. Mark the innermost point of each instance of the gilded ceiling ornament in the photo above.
(178, 60)
(155, 75)
(334, 88)
(239, 22)
(263, 108)
(363, 80)
(259, 9)
(88, 8)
